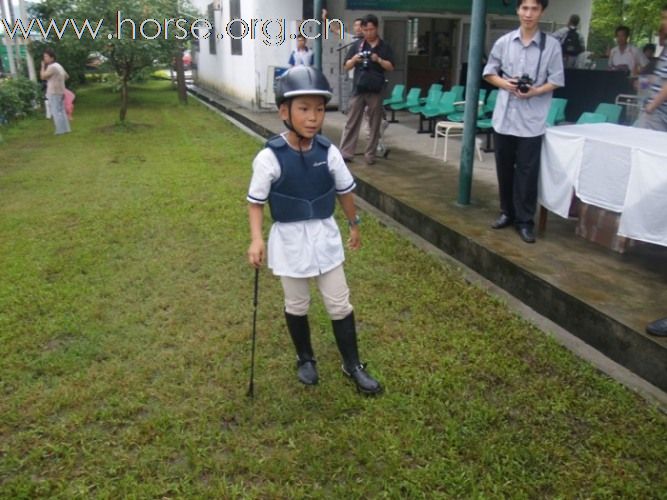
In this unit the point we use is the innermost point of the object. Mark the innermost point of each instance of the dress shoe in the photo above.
(503, 221)
(526, 234)
(348, 159)
(658, 328)
(369, 160)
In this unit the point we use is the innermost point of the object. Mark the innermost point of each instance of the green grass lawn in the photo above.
(125, 322)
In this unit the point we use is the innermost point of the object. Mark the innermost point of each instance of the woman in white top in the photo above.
(55, 76)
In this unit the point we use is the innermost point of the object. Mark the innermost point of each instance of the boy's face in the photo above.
(529, 12)
(306, 116)
(301, 43)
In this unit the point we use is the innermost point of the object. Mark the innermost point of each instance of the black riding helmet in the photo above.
(301, 80)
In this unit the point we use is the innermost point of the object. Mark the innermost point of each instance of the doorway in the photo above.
(432, 51)
(395, 33)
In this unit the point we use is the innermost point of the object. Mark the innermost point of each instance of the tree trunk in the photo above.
(123, 97)
(180, 75)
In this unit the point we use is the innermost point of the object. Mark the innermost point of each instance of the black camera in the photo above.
(366, 56)
(524, 83)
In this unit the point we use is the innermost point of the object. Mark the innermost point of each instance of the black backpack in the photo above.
(572, 43)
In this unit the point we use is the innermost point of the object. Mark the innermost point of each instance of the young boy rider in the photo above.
(300, 174)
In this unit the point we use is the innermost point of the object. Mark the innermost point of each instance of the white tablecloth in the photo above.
(618, 168)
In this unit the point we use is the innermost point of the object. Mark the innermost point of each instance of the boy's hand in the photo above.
(354, 241)
(256, 252)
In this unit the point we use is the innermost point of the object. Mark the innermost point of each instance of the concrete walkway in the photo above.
(604, 298)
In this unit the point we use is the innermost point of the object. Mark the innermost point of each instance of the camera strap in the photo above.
(543, 43)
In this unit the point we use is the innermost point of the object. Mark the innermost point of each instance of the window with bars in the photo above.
(235, 29)
(212, 38)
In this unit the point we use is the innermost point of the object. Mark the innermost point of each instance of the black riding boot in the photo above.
(346, 339)
(300, 332)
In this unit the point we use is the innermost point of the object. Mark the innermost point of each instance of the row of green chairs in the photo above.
(439, 103)
(398, 101)
(451, 108)
(604, 113)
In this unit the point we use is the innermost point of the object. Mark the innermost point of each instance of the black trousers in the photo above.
(518, 167)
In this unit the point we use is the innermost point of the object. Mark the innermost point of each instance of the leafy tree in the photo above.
(72, 53)
(641, 16)
(140, 44)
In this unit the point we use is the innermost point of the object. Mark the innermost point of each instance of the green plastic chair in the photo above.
(412, 99)
(431, 100)
(485, 125)
(491, 102)
(397, 95)
(444, 107)
(587, 117)
(611, 111)
(435, 87)
(458, 91)
(556, 113)
(458, 116)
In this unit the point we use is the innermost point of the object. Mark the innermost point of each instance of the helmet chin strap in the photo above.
(288, 124)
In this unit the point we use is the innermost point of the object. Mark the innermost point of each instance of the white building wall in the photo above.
(230, 75)
(267, 57)
(208, 65)
(245, 78)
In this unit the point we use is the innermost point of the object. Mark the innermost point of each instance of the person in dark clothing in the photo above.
(370, 57)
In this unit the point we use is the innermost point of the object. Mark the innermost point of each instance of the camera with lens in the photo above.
(524, 83)
(366, 56)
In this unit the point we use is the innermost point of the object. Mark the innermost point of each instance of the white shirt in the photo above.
(630, 57)
(305, 248)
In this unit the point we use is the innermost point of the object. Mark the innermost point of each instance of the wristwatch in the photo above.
(354, 222)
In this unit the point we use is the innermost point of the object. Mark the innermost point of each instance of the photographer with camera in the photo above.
(527, 66)
(370, 57)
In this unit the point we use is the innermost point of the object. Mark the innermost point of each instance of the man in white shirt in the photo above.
(55, 76)
(625, 56)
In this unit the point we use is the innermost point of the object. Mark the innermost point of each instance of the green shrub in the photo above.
(18, 97)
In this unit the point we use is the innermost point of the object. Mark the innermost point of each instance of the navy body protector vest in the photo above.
(305, 189)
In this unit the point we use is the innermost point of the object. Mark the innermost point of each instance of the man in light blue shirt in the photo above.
(527, 66)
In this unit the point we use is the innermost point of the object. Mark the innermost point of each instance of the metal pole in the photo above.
(317, 14)
(477, 28)
(30, 62)
(9, 44)
(16, 43)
